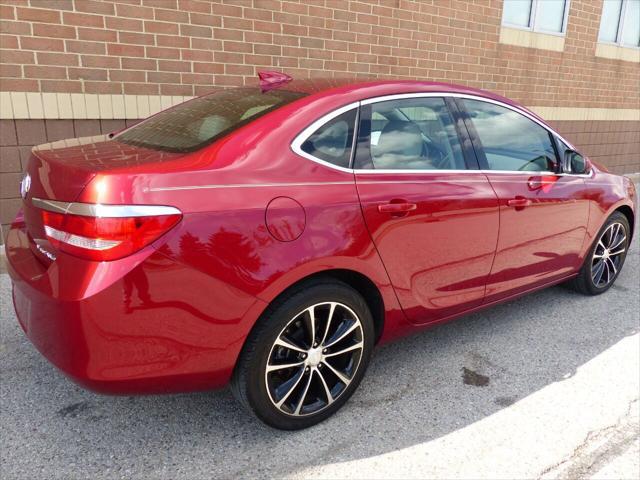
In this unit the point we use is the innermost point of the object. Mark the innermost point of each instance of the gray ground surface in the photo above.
(561, 402)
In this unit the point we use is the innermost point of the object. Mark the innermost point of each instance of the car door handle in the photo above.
(519, 202)
(397, 208)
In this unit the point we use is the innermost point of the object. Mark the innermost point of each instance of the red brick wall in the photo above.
(183, 47)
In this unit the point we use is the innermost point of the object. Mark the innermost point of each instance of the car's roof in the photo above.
(354, 89)
(317, 85)
(313, 86)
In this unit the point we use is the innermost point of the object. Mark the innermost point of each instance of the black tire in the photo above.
(584, 282)
(249, 382)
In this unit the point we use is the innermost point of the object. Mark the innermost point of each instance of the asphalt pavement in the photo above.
(545, 386)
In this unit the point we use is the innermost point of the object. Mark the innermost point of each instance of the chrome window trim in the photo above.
(529, 173)
(471, 97)
(302, 137)
(103, 211)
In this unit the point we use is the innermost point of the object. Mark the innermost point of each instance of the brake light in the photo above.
(103, 238)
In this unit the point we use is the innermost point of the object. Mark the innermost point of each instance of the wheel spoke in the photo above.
(281, 342)
(312, 319)
(606, 267)
(344, 334)
(618, 242)
(613, 266)
(598, 271)
(610, 232)
(601, 245)
(304, 393)
(326, 329)
(343, 378)
(327, 392)
(291, 389)
(611, 254)
(273, 368)
(356, 346)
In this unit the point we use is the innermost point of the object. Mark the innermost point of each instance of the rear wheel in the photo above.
(606, 257)
(306, 356)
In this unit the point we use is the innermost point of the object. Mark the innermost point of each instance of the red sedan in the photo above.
(271, 236)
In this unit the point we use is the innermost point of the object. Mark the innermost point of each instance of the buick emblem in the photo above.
(25, 185)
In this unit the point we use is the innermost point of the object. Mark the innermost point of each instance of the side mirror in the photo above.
(575, 163)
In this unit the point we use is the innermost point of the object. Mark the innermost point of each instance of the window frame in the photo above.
(467, 136)
(351, 128)
(618, 40)
(363, 150)
(479, 148)
(535, 5)
(304, 135)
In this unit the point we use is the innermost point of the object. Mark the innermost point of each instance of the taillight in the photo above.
(107, 232)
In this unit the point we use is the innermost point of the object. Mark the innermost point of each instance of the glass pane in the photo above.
(517, 12)
(550, 15)
(332, 142)
(413, 134)
(199, 122)
(610, 20)
(631, 24)
(511, 141)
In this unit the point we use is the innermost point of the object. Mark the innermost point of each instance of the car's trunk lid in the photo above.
(61, 170)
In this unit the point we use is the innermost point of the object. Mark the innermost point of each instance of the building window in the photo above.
(546, 16)
(620, 23)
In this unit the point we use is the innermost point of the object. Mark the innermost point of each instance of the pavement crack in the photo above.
(598, 448)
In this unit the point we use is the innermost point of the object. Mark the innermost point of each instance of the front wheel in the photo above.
(606, 257)
(306, 356)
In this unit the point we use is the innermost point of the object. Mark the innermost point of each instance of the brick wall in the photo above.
(183, 47)
(152, 51)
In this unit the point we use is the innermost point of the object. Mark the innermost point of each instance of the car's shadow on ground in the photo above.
(416, 390)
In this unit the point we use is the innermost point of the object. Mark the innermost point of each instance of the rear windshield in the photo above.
(199, 122)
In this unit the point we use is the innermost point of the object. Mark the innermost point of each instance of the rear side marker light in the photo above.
(104, 232)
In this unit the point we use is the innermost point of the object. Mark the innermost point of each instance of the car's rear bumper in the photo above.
(149, 326)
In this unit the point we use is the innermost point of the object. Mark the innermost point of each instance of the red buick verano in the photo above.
(271, 236)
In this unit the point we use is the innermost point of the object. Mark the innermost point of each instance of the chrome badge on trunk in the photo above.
(25, 185)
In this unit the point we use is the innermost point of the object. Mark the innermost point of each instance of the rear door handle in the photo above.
(397, 208)
(519, 202)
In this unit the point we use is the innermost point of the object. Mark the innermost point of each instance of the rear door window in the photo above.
(409, 134)
(194, 124)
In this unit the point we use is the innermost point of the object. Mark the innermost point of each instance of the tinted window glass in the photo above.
(510, 140)
(332, 142)
(194, 124)
(411, 134)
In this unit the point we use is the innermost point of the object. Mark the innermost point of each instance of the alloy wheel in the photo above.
(314, 359)
(608, 255)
